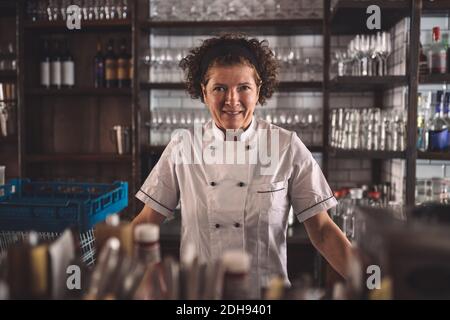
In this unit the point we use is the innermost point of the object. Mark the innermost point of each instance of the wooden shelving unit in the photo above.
(79, 92)
(434, 79)
(361, 83)
(366, 154)
(349, 16)
(433, 155)
(268, 27)
(8, 75)
(86, 26)
(96, 110)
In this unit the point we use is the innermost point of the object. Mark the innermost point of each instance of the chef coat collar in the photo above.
(243, 136)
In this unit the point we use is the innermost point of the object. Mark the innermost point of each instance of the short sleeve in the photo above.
(160, 190)
(308, 189)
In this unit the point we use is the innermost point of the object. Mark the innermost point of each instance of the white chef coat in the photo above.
(234, 206)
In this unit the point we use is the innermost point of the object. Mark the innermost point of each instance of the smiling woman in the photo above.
(242, 205)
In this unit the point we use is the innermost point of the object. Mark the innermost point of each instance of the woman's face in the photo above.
(231, 94)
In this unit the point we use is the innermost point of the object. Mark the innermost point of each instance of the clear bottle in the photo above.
(437, 55)
(45, 66)
(423, 62)
(422, 122)
(146, 243)
(55, 67)
(438, 133)
(236, 285)
(67, 67)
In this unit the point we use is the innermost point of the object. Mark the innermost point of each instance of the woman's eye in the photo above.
(245, 88)
(219, 89)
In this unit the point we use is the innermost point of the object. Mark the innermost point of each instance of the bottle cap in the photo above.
(146, 232)
(113, 220)
(236, 261)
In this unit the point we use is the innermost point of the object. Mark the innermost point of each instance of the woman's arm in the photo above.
(330, 241)
(148, 215)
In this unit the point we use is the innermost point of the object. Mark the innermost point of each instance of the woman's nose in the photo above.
(232, 97)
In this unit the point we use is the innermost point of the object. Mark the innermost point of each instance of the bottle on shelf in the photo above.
(110, 66)
(438, 133)
(55, 66)
(423, 113)
(437, 55)
(45, 66)
(99, 67)
(446, 116)
(423, 62)
(67, 67)
(123, 66)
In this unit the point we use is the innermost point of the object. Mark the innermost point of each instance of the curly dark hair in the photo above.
(266, 68)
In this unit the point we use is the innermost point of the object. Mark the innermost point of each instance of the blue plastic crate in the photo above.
(55, 206)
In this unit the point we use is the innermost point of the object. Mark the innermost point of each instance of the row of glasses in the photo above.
(295, 66)
(219, 10)
(8, 59)
(163, 64)
(368, 129)
(307, 123)
(56, 10)
(165, 120)
(366, 55)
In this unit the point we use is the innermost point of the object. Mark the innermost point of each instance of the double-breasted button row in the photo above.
(236, 225)
(213, 183)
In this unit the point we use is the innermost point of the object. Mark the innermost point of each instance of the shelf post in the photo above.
(413, 79)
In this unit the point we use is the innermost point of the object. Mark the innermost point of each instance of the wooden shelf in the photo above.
(365, 154)
(267, 27)
(86, 26)
(6, 75)
(436, 8)
(367, 83)
(445, 155)
(79, 92)
(8, 139)
(434, 79)
(67, 157)
(283, 86)
(162, 85)
(7, 9)
(350, 16)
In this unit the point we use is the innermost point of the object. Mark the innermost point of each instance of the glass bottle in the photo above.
(438, 132)
(146, 243)
(67, 67)
(423, 62)
(45, 66)
(110, 66)
(99, 67)
(236, 282)
(437, 55)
